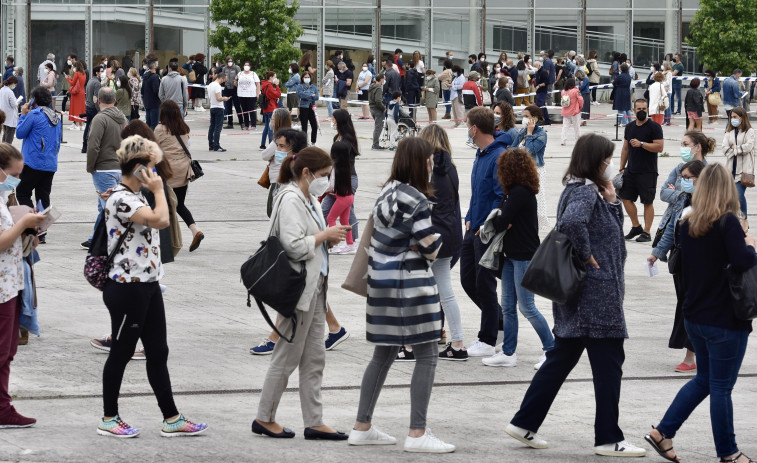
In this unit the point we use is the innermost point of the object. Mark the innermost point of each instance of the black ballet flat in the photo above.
(313, 434)
(258, 428)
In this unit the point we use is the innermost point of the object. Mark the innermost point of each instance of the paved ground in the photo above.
(57, 377)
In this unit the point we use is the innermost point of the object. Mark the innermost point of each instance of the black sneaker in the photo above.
(230, 126)
(377, 148)
(405, 355)
(450, 353)
(210, 148)
(220, 150)
(635, 231)
(644, 238)
(86, 244)
(262, 147)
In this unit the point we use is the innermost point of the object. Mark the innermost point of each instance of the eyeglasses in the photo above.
(688, 177)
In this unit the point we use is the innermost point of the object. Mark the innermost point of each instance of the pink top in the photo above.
(576, 102)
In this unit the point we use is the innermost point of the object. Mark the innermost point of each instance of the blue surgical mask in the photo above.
(10, 182)
(735, 122)
(687, 185)
(454, 74)
(280, 155)
(686, 155)
(306, 80)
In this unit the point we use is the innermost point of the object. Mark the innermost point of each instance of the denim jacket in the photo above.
(535, 143)
(670, 195)
(731, 92)
(292, 83)
(668, 238)
(308, 95)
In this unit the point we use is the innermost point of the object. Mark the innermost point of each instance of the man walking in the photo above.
(638, 163)
(173, 87)
(104, 141)
(90, 104)
(150, 94)
(376, 104)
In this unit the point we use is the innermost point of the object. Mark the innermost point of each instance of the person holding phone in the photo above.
(132, 293)
(11, 255)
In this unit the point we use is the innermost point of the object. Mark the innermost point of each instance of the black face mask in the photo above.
(641, 116)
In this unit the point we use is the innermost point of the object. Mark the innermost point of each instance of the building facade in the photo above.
(644, 29)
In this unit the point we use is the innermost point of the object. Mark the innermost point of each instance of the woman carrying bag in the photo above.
(299, 224)
(738, 149)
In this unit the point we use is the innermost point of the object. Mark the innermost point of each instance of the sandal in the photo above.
(736, 459)
(662, 452)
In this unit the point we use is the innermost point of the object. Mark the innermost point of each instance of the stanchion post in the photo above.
(617, 124)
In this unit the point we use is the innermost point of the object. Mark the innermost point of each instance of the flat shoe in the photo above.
(258, 428)
(312, 434)
(196, 241)
(660, 451)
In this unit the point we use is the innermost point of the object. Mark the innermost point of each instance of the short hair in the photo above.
(638, 101)
(295, 68)
(10, 58)
(658, 77)
(380, 76)
(106, 95)
(136, 150)
(398, 51)
(396, 94)
(199, 57)
(535, 112)
(695, 82)
(152, 64)
(570, 83)
(624, 67)
(389, 59)
(73, 56)
(482, 118)
(229, 58)
(694, 167)
(481, 55)
(736, 71)
(341, 65)
(51, 57)
(173, 65)
(447, 64)
(42, 96)
(297, 139)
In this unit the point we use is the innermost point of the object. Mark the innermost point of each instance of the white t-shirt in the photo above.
(363, 76)
(138, 259)
(420, 67)
(213, 89)
(246, 87)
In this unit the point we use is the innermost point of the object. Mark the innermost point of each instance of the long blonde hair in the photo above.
(437, 137)
(714, 196)
(281, 119)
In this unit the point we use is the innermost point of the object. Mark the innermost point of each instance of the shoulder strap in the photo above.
(564, 206)
(183, 146)
(121, 240)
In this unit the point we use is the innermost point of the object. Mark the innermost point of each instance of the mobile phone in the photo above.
(138, 173)
(31, 102)
(346, 228)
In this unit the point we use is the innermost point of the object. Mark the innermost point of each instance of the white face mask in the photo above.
(306, 80)
(290, 70)
(611, 171)
(450, 57)
(118, 83)
(105, 63)
(246, 68)
(365, 68)
(318, 186)
(230, 63)
(482, 59)
(69, 62)
(145, 67)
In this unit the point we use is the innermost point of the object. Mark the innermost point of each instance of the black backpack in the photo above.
(262, 100)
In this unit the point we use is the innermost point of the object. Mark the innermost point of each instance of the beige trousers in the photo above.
(308, 353)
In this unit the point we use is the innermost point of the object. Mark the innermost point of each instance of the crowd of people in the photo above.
(141, 171)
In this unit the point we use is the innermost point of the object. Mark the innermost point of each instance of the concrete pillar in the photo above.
(88, 32)
(629, 29)
(581, 31)
(671, 27)
(429, 33)
(23, 50)
(531, 29)
(320, 50)
(375, 30)
(474, 32)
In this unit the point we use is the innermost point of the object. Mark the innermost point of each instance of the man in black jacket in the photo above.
(150, 89)
(392, 79)
(541, 83)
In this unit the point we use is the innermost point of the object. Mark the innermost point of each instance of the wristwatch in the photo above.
(642, 145)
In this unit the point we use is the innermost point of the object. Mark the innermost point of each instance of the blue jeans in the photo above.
(103, 181)
(442, 275)
(152, 117)
(267, 129)
(742, 199)
(624, 117)
(214, 130)
(446, 94)
(719, 353)
(669, 111)
(676, 97)
(514, 294)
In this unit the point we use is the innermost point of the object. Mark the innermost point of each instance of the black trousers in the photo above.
(137, 312)
(606, 357)
(181, 209)
(38, 181)
(308, 115)
(249, 114)
(91, 113)
(480, 284)
(65, 100)
(227, 105)
(679, 338)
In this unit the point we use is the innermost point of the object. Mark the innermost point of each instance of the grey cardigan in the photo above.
(595, 228)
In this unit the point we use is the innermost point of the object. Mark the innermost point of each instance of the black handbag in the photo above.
(556, 272)
(743, 289)
(195, 165)
(99, 261)
(270, 279)
(661, 231)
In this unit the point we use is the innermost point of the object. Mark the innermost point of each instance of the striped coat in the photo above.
(403, 302)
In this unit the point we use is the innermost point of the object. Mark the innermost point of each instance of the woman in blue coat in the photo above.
(622, 101)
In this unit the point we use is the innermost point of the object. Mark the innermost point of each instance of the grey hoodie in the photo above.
(104, 139)
(174, 87)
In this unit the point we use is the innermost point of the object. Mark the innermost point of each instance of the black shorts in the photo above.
(642, 186)
(363, 96)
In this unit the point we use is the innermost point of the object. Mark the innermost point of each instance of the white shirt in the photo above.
(362, 77)
(420, 67)
(213, 89)
(246, 85)
(11, 267)
(9, 105)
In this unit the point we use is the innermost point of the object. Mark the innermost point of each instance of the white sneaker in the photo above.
(500, 360)
(338, 249)
(542, 359)
(349, 249)
(529, 438)
(74, 127)
(480, 349)
(427, 443)
(370, 437)
(619, 449)
(199, 109)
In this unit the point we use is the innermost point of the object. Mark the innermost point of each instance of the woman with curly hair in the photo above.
(517, 214)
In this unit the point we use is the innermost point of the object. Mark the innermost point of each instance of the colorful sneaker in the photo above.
(338, 249)
(405, 355)
(14, 419)
(103, 343)
(349, 249)
(450, 353)
(182, 427)
(337, 338)
(685, 368)
(265, 348)
(116, 428)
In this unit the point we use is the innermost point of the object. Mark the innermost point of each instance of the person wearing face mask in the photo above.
(269, 89)
(343, 84)
(591, 216)
(20, 90)
(123, 96)
(9, 65)
(41, 130)
(738, 148)
(445, 80)
(248, 89)
(174, 87)
(150, 98)
(400, 66)
(456, 95)
(432, 91)
(398, 313)
(364, 80)
(378, 109)
(299, 224)
(622, 98)
(275, 154)
(231, 70)
(694, 105)
(12, 283)
(656, 97)
(291, 88)
(9, 106)
(678, 71)
(307, 93)
(68, 73)
(533, 138)
(642, 143)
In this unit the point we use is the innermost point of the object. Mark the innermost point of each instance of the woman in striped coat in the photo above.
(403, 301)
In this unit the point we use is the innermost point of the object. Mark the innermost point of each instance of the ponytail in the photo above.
(311, 157)
(708, 144)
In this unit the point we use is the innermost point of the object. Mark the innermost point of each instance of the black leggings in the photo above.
(65, 100)
(137, 312)
(181, 209)
(593, 91)
(39, 181)
(308, 115)
(249, 114)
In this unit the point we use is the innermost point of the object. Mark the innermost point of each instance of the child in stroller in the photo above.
(399, 123)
